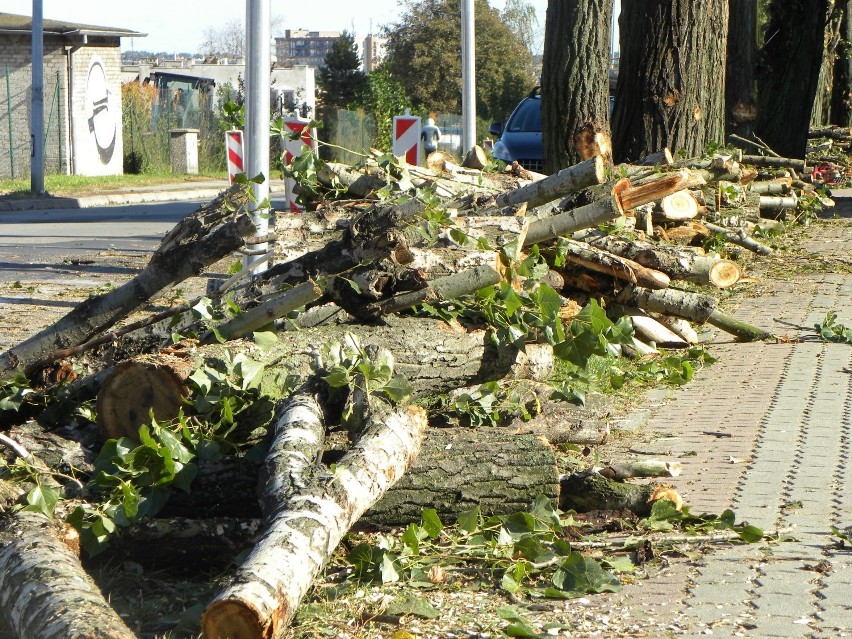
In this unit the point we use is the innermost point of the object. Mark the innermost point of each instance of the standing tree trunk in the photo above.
(789, 74)
(670, 90)
(841, 98)
(821, 114)
(740, 97)
(575, 82)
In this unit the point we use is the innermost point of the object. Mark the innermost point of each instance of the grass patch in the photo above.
(81, 185)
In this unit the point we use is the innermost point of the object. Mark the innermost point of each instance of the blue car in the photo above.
(520, 138)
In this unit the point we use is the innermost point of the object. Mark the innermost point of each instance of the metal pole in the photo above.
(11, 128)
(468, 78)
(258, 61)
(37, 114)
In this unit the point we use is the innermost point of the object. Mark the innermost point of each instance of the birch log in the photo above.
(566, 181)
(261, 597)
(622, 268)
(741, 238)
(677, 262)
(44, 591)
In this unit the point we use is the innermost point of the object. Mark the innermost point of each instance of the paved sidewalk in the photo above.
(202, 190)
(767, 432)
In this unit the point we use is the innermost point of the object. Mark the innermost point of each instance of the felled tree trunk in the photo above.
(435, 357)
(500, 468)
(262, 595)
(44, 591)
(459, 469)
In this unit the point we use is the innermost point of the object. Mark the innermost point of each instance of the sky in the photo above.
(179, 25)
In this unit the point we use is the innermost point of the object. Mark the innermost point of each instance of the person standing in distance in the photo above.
(430, 136)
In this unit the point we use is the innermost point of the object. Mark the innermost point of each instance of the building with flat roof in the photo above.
(82, 97)
(373, 52)
(301, 47)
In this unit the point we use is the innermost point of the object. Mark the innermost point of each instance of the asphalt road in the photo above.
(64, 245)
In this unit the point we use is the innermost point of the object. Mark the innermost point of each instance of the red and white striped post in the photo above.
(293, 148)
(234, 153)
(406, 138)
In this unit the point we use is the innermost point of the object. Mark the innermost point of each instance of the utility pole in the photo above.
(37, 109)
(468, 78)
(258, 64)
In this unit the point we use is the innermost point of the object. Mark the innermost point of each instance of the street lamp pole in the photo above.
(468, 78)
(258, 62)
(37, 109)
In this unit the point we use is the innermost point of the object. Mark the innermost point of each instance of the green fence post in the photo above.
(9, 115)
(49, 121)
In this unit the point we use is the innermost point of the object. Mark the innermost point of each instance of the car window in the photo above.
(527, 117)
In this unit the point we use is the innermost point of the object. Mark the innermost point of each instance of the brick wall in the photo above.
(92, 143)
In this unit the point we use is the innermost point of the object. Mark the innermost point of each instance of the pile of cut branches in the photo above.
(298, 396)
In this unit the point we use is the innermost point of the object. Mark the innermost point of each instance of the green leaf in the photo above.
(411, 538)
(431, 523)
(470, 520)
(549, 302)
(411, 604)
(750, 534)
(337, 377)
(580, 574)
(518, 625)
(388, 569)
(398, 388)
(265, 339)
(249, 370)
(42, 499)
(520, 630)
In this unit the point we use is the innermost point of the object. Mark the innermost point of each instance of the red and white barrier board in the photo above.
(293, 148)
(234, 153)
(406, 138)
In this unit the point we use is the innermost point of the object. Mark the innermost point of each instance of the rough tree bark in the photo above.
(789, 73)
(44, 591)
(575, 82)
(670, 90)
(740, 97)
(841, 98)
(821, 114)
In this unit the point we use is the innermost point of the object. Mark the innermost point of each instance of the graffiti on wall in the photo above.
(101, 111)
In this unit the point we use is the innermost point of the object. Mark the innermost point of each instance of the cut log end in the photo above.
(724, 273)
(135, 388)
(227, 619)
(679, 206)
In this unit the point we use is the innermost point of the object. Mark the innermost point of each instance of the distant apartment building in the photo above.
(373, 51)
(301, 47)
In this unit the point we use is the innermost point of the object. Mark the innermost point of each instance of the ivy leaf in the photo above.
(265, 339)
(469, 521)
(431, 523)
(42, 499)
(750, 534)
(337, 377)
(412, 604)
(398, 388)
(579, 574)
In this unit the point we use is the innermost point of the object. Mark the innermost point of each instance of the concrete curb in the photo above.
(165, 193)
